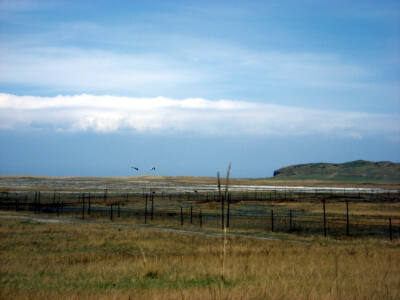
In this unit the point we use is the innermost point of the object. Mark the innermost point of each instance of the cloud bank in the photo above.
(106, 113)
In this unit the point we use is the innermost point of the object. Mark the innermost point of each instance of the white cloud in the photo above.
(169, 64)
(199, 116)
(74, 68)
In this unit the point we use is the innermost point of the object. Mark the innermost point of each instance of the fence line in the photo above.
(253, 212)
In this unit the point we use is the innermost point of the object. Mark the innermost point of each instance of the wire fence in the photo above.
(312, 213)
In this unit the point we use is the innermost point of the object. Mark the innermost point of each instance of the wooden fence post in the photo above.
(89, 205)
(58, 205)
(222, 212)
(272, 220)
(39, 201)
(83, 206)
(323, 206)
(33, 205)
(181, 216)
(152, 206)
(390, 229)
(290, 220)
(201, 219)
(228, 211)
(191, 214)
(6, 199)
(111, 212)
(347, 218)
(54, 198)
(145, 211)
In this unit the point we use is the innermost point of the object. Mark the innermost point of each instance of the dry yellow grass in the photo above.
(92, 261)
(388, 209)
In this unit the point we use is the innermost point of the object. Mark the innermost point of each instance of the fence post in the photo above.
(390, 229)
(228, 211)
(181, 216)
(347, 218)
(111, 212)
(152, 206)
(83, 206)
(145, 211)
(119, 211)
(222, 212)
(6, 199)
(201, 219)
(39, 201)
(89, 204)
(290, 220)
(272, 220)
(58, 205)
(35, 203)
(191, 214)
(323, 206)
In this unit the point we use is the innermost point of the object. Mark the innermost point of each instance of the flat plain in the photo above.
(45, 256)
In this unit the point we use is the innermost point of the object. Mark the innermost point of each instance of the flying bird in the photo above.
(153, 169)
(137, 169)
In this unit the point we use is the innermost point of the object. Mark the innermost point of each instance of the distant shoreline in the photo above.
(33, 182)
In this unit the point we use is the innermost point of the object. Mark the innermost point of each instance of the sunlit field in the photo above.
(81, 260)
(160, 244)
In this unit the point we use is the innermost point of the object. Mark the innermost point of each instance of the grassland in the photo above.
(99, 261)
(124, 259)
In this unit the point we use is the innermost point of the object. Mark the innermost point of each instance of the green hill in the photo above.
(354, 170)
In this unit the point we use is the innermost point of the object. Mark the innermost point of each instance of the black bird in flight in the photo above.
(137, 169)
(153, 169)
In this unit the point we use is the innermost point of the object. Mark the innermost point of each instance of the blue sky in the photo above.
(92, 87)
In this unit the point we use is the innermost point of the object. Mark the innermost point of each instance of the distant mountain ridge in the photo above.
(354, 170)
